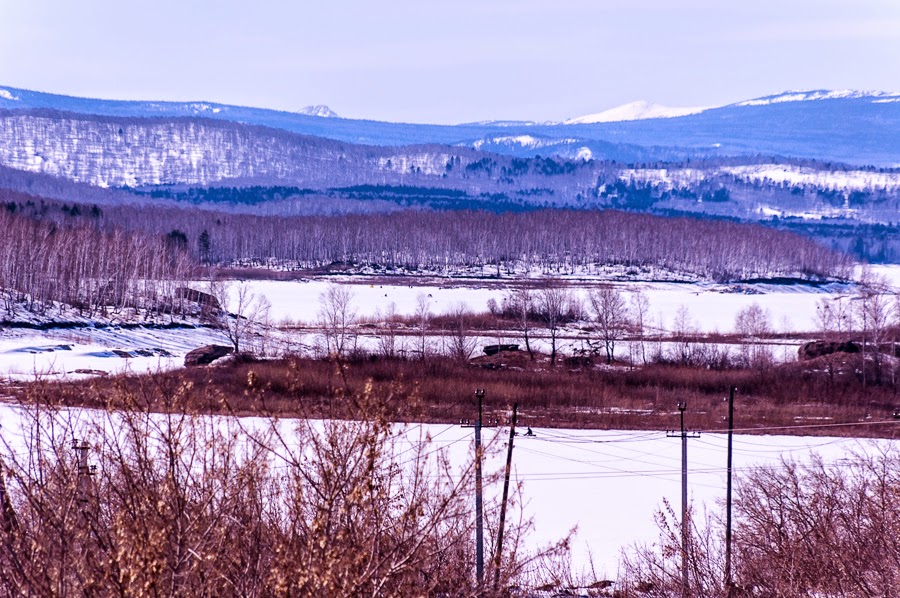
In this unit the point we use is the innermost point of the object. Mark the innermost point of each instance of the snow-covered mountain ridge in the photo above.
(876, 97)
(318, 110)
(853, 127)
(644, 110)
(109, 152)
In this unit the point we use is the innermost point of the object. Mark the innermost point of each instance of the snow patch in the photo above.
(198, 108)
(848, 180)
(525, 141)
(640, 110)
(504, 123)
(7, 95)
(585, 153)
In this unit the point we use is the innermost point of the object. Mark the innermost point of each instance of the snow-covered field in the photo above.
(608, 483)
(711, 308)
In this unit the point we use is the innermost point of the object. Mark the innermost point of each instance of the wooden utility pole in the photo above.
(509, 452)
(685, 523)
(479, 490)
(479, 499)
(728, 582)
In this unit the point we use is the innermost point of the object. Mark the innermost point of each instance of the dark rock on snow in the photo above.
(206, 355)
(814, 349)
(494, 349)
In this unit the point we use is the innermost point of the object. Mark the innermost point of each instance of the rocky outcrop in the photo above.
(206, 355)
(814, 349)
(202, 299)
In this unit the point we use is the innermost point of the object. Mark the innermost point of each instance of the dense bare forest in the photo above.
(92, 269)
(81, 254)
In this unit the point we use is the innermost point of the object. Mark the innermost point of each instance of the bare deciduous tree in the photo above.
(461, 342)
(683, 330)
(387, 339)
(554, 302)
(338, 320)
(520, 303)
(250, 311)
(874, 314)
(752, 324)
(423, 319)
(611, 314)
(640, 312)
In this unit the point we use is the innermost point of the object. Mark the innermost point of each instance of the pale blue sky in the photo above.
(455, 61)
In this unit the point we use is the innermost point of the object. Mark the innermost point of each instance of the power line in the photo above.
(804, 426)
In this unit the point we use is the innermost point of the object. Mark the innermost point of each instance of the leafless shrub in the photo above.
(655, 570)
(801, 529)
(190, 505)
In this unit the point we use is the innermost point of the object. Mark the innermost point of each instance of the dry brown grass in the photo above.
(794, 398)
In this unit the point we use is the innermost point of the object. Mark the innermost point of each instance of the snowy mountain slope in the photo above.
(845, 126)
(640, 110)
(116, 152)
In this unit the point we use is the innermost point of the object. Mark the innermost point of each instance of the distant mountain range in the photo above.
(852, 127)
(794, 160)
